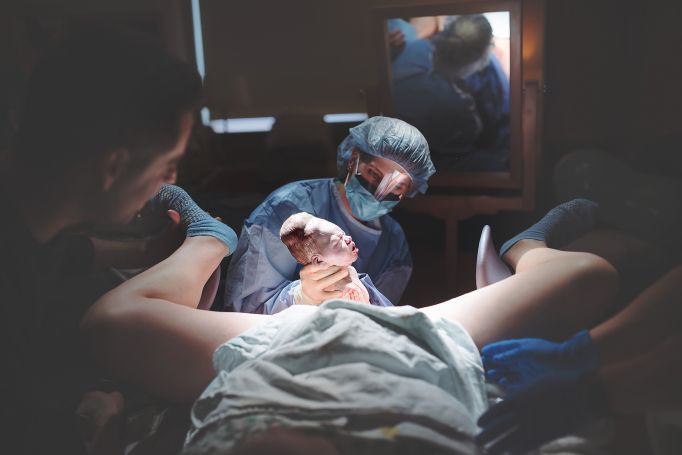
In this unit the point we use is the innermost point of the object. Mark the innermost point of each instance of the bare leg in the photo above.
(148, 332)
(639, 263)
(552, 295)
(652, 318)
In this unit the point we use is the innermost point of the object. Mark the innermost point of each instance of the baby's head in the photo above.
(312, 240)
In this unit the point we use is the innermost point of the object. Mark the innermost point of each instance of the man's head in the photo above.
(312, 240)
(463, 47)
(108, 114)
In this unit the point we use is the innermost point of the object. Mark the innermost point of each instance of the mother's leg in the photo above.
(552, 295)
(148, 331)
(650, 320)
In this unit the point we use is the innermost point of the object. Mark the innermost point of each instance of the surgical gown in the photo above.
(263, 276)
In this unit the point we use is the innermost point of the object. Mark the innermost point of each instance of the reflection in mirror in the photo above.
(450, 79)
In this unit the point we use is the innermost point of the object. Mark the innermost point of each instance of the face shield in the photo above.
(384, 179)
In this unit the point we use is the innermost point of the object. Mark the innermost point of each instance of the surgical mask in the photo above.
(363, 205)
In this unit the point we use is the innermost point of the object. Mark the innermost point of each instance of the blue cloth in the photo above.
(263, 275)
(409, 32)
(394, 140)
(416, 58)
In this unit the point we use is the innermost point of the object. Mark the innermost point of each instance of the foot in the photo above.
(489, 266)
(195, 221)
(561, 225)
(643, 205)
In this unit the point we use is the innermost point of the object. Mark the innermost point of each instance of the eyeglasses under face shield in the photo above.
(386, 180)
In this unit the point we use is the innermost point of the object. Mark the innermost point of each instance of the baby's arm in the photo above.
(355, 290)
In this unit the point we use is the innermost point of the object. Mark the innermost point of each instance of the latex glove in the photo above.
(518, 363)
(315, 279)
(540, 413)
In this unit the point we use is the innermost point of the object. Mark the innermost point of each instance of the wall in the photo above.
(612, 67)
(613, 73)
(266, 57)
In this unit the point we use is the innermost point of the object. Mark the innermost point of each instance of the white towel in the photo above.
(361, 372)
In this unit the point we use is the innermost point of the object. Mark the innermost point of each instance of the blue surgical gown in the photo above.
(263, 275)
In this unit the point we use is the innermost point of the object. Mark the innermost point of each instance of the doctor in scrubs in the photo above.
(382, 161)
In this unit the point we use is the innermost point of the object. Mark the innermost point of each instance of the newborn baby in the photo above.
(312, 240)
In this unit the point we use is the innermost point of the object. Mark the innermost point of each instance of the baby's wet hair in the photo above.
(301, 244)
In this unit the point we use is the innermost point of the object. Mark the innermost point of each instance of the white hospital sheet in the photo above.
(357, 371)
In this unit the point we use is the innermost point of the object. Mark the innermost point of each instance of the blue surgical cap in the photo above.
(392, 139)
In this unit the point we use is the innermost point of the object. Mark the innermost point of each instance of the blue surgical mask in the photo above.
(363, 205)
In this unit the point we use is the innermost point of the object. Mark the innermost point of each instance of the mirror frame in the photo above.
(383, 104)
(461, 195)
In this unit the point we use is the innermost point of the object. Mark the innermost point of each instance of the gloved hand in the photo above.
(514, 364)
(540, 413)
(315, 279)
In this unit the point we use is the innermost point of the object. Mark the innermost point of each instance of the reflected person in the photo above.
(455, 91)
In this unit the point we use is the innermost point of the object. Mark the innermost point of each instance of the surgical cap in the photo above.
(392, 139)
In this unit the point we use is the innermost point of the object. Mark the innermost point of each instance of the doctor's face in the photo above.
(383, 178)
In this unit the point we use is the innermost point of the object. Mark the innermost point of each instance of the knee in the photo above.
(675, 274)
(596, 274)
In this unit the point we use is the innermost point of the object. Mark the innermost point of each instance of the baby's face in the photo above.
(334, 246)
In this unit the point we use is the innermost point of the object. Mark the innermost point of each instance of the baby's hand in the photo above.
(351, 293)
(358, 287)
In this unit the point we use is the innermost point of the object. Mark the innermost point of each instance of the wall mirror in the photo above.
(468, 73)
(453, 70)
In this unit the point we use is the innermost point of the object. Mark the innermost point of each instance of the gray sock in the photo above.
(195, 221)
(561, 225)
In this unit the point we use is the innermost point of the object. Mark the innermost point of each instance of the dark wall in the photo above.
(612, 67)
(613, 72)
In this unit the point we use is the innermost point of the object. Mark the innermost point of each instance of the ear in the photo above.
(316, 259)
(112, 166)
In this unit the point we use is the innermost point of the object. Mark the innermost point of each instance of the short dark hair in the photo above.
(463, 41)
(98, 90)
